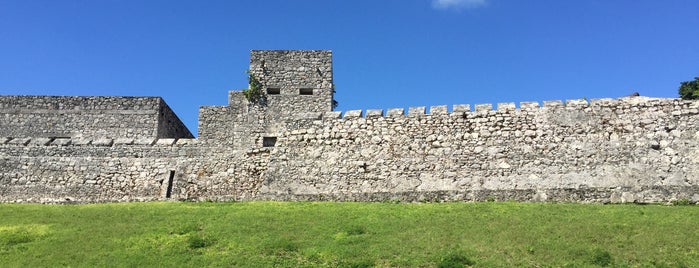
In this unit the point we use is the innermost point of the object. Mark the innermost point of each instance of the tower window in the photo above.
(269, 141)
(305, 91)
(273, 91)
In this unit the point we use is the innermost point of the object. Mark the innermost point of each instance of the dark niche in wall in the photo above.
(305, 91)
(269, 141)
(273, 91)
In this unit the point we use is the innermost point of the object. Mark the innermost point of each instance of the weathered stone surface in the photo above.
(123, 141)
(145, 141)
(374, 113)
(395, 112)
(416, 111)
(332, 115)
(19, 141)
(102, 142)
(165, 142)
(439, 110)
(484, 107)
(506, 106)
(61, 142)
(462, 108)
(40, 141)
(529, 105)
(88, 117)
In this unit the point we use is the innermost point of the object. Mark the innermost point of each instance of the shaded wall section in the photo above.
(88, 117)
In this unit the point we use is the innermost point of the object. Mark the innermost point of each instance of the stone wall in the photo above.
(89, 117)
(626, 150)
(44, 170)
(611, 150)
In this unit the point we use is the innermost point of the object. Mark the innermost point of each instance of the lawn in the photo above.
(329, 234)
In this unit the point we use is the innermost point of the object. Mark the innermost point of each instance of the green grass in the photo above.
(268, 234)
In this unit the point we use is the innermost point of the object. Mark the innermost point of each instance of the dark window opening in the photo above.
(269, 141)
(306, 91)
(168, 194)
(274, 91)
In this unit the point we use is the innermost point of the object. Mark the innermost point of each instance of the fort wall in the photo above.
(611, 150)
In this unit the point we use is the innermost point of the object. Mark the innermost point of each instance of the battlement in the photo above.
(505, 107)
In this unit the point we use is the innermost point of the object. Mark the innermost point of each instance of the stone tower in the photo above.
(295, 82)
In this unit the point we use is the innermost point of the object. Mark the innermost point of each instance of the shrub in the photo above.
(689, 90)
(254, 94)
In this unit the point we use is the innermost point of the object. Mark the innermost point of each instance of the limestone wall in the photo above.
(625, 150)
(44, 170)
(632, 149)
(89, 117)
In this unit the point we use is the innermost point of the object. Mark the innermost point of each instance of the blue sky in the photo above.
(387, 53)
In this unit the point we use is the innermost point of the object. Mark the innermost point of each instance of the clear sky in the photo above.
(387, 53)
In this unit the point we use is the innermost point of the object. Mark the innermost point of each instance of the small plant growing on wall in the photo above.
(254, 93)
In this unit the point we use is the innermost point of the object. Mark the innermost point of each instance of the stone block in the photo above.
(395, 112)
(484, 107)
(439, 110)
(462, 108)
(165, 142)
(40, 141)
(123, 141)
(103, 142)
(19, 141)
(185, 141)
(603, 102)
(374, 113)
(61, 141)
(416, 111)
(81, 141)
(528, 105)
(553, 104)
(576, 103)
(353, 114)
(310, 115)
(145, 141)
(506, 106)
(332, 115)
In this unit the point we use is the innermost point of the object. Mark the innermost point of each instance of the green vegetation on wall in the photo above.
(255, 93)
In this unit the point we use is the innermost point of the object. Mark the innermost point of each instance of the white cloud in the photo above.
(457, 4)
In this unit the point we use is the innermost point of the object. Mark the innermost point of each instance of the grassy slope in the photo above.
(258, 234)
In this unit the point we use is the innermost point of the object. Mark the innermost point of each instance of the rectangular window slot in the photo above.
(168, 194)
(274, 91)
(305, 91)
(269, 141)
